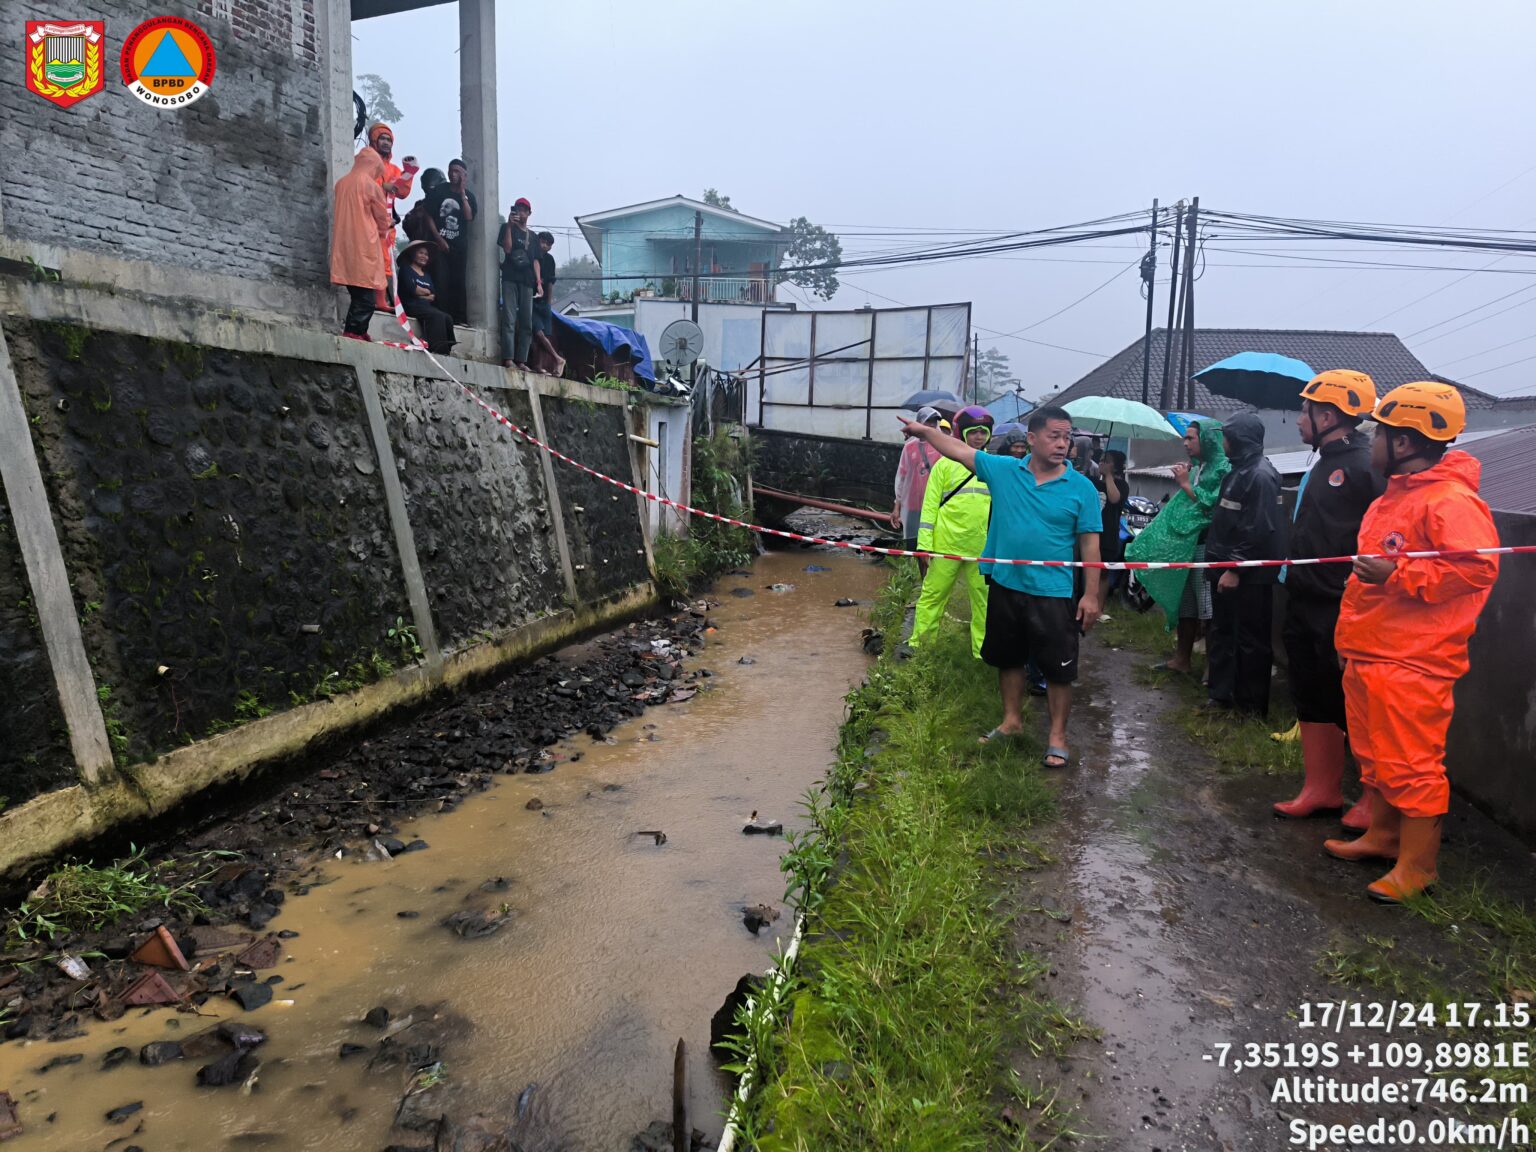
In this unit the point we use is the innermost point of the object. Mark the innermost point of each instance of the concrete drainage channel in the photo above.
(529, 972)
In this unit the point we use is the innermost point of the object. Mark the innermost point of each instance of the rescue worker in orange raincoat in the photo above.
(396, 183)
(360, 222)
(1404, 626)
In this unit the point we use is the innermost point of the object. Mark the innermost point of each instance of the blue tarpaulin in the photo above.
(617, 342)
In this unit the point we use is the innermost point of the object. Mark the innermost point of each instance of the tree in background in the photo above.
(375, 92)
(813, 244)
(808, 244)
(579, 280)
(995, 375)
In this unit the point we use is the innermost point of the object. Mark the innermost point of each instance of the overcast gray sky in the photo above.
(889, 115)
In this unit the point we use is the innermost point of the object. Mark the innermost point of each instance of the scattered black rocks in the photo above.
(159, 1052)
(756, 917)
(115, 1057)
(61, 1062)
(118, 1115)
(377, 1017)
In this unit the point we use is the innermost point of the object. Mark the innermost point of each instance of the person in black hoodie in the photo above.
(1329, 507)
(1245, 525)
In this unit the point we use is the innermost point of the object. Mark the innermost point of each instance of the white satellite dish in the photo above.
(681, 342)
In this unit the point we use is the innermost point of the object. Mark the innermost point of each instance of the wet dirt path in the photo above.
(617, 946)
(1181, 914)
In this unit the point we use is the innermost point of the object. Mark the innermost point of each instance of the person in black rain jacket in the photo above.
(1330, 504)
(1246, 524)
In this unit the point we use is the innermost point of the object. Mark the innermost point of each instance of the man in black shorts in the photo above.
(1041, 508)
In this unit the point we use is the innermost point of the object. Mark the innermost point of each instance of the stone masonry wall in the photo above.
(478, 507)
(34, 747)
(235, 183)
(221, 516)
(601, 523)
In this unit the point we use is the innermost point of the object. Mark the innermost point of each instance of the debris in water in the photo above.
(60, 1062)
(817, 568)
(9, 1124)
(148, 989)
(159, 1052)
(161, 951)
(756, 827)
(873, 641)
(73, 967)
(377, 1017)
(262, 954)
(115, 1057)
(756, 917)
(496, 884)
(534, 804)
(472, 924)
(746, 660)
(524, 1099)
(232, 1069)
(681, 694)
(742, 592)
(352, 1050)
(251, 995)
(781, 587)
(661, 837)
(844, 602)
(118, 1115)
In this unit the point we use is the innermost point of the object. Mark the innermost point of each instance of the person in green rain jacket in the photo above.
(1175, 536)
(956, 510)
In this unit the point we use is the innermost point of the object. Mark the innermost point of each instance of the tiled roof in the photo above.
(1509, 459)
(1380, 355)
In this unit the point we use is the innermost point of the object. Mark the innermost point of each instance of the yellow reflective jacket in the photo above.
(960, 526)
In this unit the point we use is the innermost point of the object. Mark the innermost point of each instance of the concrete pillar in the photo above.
(399, 518)
(51, 595)
(477, 111)
(333, 26)
(552, 493)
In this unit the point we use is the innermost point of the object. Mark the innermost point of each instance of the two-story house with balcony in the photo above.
(648, 250)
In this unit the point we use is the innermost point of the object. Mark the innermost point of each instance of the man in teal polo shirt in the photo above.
(1041, 508)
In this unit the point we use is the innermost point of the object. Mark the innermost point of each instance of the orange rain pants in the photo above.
(1398, 719)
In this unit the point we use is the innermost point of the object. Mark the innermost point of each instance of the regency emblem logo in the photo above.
(168, 62)
(64, 61)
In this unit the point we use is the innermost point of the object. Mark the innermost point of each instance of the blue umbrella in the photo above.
(1182, 420)
(1263, 379)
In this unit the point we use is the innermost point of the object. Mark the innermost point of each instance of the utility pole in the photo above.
(1187, 359)
(1149, 278)
(698, 256)
(976, 375)
(1165, 397)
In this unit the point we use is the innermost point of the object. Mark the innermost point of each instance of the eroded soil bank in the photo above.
(602, 947)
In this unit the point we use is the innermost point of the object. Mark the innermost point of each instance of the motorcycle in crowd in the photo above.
(1138, 513)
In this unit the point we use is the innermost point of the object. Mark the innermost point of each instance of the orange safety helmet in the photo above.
(1429, 407)
(1352, 393)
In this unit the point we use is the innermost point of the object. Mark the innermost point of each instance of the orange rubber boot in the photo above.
(1322, 753)
(1415, 870)
(1359, 817)
(1380, 841)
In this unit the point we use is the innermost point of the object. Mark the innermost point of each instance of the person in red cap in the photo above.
(520, 285)
(396, 183)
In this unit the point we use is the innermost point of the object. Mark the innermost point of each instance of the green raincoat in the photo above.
(1174, 533)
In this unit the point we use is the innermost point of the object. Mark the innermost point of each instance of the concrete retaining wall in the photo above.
(825, 466)
(1492, 749)
(223, 539)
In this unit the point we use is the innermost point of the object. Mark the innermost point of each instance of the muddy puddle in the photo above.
(616, 946)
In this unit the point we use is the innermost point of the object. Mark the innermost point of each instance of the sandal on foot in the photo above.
(1056, 754)
(997, 735)
(1167, 666)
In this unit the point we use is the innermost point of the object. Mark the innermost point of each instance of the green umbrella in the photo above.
(1111, 416)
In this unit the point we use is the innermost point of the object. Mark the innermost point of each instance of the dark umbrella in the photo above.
(1263, 379)
(929, 398)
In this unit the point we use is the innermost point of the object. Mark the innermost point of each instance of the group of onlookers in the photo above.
(1374, 644)
(430, 273)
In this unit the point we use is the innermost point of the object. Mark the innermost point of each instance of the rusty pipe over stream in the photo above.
(881, 518)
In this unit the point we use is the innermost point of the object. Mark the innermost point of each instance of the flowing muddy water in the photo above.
(618, 946)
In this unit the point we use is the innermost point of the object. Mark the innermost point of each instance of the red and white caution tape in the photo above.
(1106, 565)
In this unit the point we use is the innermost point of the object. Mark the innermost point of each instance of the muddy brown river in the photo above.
(617, 948)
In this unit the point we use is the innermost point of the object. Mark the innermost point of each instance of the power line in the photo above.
(1468, 312)
(1485, 351)
(1499, 368)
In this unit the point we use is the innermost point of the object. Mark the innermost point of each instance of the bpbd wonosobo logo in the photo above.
(168, 62)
